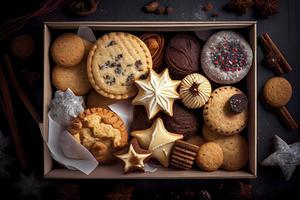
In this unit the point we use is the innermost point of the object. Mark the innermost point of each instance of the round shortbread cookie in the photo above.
(67, 50)
(235, 152)
(218, 115)
(115, 61)
(277, 91)
(74, 78)
(209, 156)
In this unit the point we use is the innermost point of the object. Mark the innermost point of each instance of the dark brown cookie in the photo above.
(183, 155)
(238, 102)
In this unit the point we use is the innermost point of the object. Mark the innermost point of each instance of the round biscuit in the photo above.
(209, 156)
(67, 50)
(74, 78)
(277, 91)
(218, 115)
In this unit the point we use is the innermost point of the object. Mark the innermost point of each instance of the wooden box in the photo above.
(115, 171)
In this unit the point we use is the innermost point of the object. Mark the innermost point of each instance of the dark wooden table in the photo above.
(270, 184)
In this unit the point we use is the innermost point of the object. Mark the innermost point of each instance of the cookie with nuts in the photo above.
(115, 61)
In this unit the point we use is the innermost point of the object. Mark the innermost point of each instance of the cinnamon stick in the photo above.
(280, 63)
(6, 104)
(19, 90)
(287, 118)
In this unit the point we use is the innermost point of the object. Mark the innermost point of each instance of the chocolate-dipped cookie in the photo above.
(183, 55)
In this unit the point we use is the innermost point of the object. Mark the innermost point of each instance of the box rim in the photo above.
(141, 24)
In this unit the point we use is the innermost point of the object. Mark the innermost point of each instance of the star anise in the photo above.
(266, 8)
(239, 6)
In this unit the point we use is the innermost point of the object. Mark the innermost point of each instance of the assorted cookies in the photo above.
(180, 119)
(115, 61)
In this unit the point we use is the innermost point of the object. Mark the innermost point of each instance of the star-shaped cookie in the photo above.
(287, 157)
(157, 92)
(135, 157)
(158, 140)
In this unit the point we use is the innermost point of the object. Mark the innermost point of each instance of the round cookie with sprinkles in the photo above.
(115, 61)
(226, 57)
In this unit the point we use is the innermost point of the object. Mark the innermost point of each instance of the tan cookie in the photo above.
(277, 91)
(74, 78)
(195, 140)
(235, 151)
(95, 99)
(211, 135)
(218, 114)
(115, 61)
(67, 50)
(101, 131)
(209, 156)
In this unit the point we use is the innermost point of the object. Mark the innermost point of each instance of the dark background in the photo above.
(270, 184)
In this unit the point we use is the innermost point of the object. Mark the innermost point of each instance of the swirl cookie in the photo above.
(101, 131)
(115, 61)
(194, 90)
(219, 116)
(156, 44)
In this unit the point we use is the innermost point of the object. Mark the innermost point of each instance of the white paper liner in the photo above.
(67, 151)
(149, 168)
(86, 33)
(125, 111)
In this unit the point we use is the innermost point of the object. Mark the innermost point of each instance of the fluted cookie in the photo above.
(74, 78)
(115, 61)
(194, 90)
(67, 50)
(101, 131)
(218, 114)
